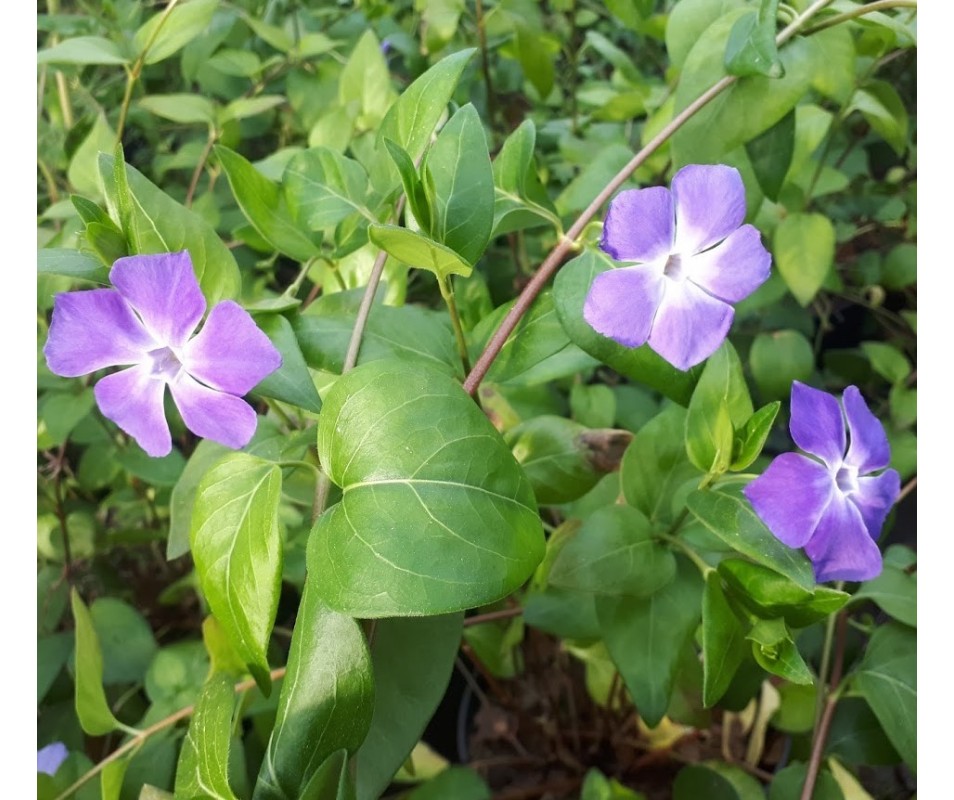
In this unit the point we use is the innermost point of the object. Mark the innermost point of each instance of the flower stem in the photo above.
(823, 667)
(555, 259)
(447, 292)
(197, 172)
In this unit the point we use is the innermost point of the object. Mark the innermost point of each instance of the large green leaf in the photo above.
(182, 500)
(412, 660)
(166, 33)
(323, 187)
(237, 549)
(751, 48)
(155, 223)
(687, 22)
(641, 364)
(292, 381)
(436, 514)
(93, 711)
(125, 638)
(203, 770)
(325, 703)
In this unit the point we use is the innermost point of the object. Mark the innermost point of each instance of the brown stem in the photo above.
(493, 616)
(909, 487)
(197, 173)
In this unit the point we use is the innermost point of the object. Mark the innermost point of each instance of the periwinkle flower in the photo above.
(833, 505)
(147, 323)
(692, 257)
(49, 758)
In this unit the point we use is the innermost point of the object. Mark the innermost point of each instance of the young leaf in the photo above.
(521, 201)
(723, 641)
(408, 455)
(92, 709)
(804, 249)
(751, 439)
(204, 759)
(291, 382)
(366, 82)
(237, 549)
(413, 186)
(751, 48)
(163, 34)
(419, 251)
(775, 652)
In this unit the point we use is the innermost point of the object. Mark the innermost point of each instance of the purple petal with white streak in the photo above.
(133, 400)
(622, 303)
(49, 758)
(868, 448)
(791, 496)
(221, 417)
(163, 290)
(841, 549)
(710, 204)
(817, 424)
(91, 330)
(733, 269)
(690, 324)
(874, 497)
(639, 225)
(230, 353)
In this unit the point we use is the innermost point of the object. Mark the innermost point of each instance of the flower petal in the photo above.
(230, 353)
(874, 498)
(622, 303)
(733, 269)
(163, 290)
(817, 424)
(91, 330)
(791, 496)
(133, 400)
(639, 225)
(221, 417)
(710, 204)
(868, 448)
(841, 549)
(690, 324)
(49, 758)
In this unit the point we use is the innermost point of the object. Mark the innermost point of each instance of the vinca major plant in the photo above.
(490, 331)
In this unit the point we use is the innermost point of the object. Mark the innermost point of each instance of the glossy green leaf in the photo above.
(884, 110)
(125, 639)
(419, 251)
(417, 199)
(71, 264)
(459, 183)
(155, 223)
(887, 680)
(751, 48)
(788, 783)
(715, 780)
(82, 50)
(182, 501)
(204, 760)
(687, 22)
(776, 652)
(184, 108)
(261, 202)
(92, 709)
(413, 660)
(751, 439)
(163, 34)
(646, 636)
(237, 548)
(770, 154)
(111, 779)
(857, 737)
(326, 700)
(727, 514)
(614, 553)
(562, 612)
(640, 364)
(777, 359)
(409, 449)
(331, 781)
(323, 187)
(520, 201)
(291, 382)
(894, 591)
(412, 119)
(804, 249)
(366, 82)
(222, 655)
(723, 641)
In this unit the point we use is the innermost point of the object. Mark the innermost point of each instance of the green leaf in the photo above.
(751, 48)
(419, 251)
(166, 33)
(521, 201)
(155, 223)
(895, 592)
(536, 61)
(262, 204)
(646, 637)
(775, 652)
(889, 362)
(804, 249)
(614, 553)
(326, 700)
(564, 613)
(413, 186)
(82, 50)
(459, 182)
(640, 364)
(332, 780)
(409, 450)
(163, 471)
(60, 412)
(720, 404)
(245, 107)
(715, 780)
(900, 267)
(751, 439)
(92, 709)
(125, 638)
(413, 660)
(857, 736)
(884, 110)
(70, 264)
(728, 515)
(182, 500)
(366, 82)
(887, 680)
(723, 641)
(52, 652)
(184, 108)
(777, 359)
(789, 782)
(770, 154)
(687, 22)
(291, 382)
(323, 187)
(203, 762)
(237, 548)
(111, 779)
(240, 63)
(459, 783)
(410, 122)
(83, 172)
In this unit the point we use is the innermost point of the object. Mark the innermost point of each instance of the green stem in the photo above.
(694, 557)
(295, 285)
(197, 172)
(447, 292)
(822, 694)
(868, 8)
(280, 413)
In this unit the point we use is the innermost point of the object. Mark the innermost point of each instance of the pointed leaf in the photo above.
(770, 154)
(751, 49)
(71, 264)
(95, 716)
(419, 251)
(82, 50)
(804, 249)
(723, 641)
(291, 382)
(182, 501)
(323, 187)
(203, 770)
(164, 34)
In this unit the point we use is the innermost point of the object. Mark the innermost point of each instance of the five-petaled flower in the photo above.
(693, 258)
(834, 507)
(146, 323)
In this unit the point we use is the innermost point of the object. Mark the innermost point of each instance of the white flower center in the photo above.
(847, 479)
(164, 364)
(675, 269)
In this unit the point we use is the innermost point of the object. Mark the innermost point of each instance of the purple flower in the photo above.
(49, 758)
(693, 257)
(832, 505)
(147, 323)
